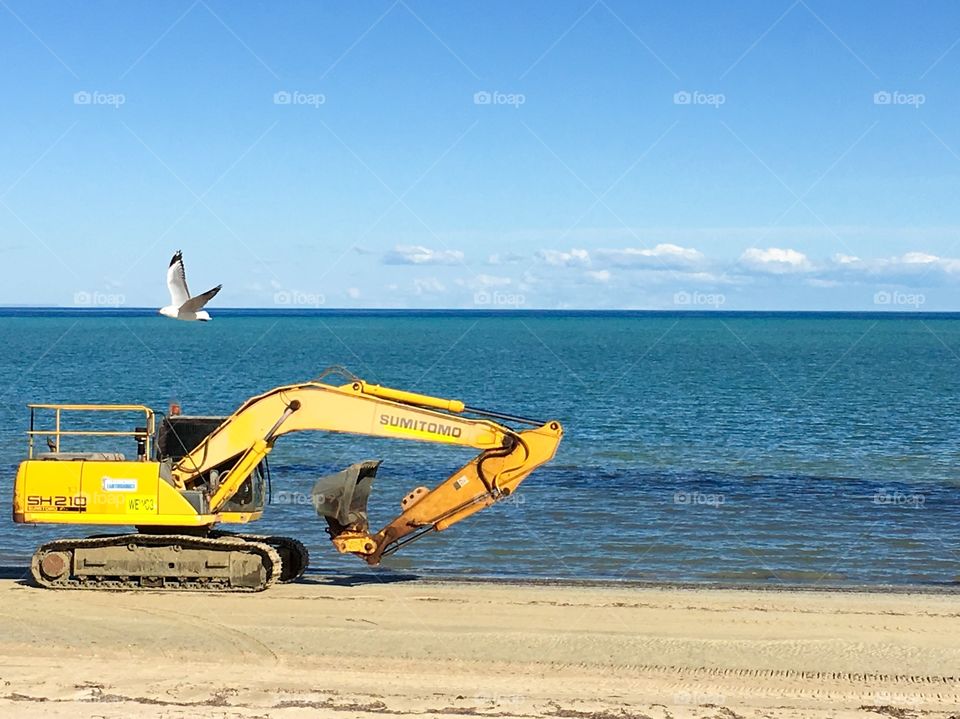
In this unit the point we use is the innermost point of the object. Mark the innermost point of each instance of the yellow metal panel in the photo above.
(50, 490)
(239, 517)
(94, 492)
(399, 395)
(121, 488)
(174, 503)
(166, 520)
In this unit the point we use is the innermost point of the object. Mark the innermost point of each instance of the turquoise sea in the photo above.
(814, 449)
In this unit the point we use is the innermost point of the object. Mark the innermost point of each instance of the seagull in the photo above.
(182, 306)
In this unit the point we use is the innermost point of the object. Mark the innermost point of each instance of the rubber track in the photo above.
(265, 551)
(294, 545)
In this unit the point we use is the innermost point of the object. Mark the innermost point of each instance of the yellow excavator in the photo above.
(192, 475)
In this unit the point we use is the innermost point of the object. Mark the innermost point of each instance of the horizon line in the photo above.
(481, 310)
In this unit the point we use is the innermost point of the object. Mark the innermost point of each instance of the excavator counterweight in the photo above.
(208, 472)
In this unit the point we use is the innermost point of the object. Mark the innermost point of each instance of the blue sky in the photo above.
(749, 155)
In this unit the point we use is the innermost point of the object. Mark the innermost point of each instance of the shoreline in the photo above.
(22, 573)
(447, 649)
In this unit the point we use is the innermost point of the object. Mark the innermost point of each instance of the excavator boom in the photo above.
(246, 437)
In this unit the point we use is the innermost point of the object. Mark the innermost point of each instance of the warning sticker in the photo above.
(113, 484)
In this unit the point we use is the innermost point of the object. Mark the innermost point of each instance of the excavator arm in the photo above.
(227, 457)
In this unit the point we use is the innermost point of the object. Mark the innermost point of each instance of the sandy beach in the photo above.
(441, 650)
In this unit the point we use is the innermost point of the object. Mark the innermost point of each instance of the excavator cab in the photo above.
(179, 434)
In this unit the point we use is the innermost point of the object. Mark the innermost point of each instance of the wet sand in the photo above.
(316, 649)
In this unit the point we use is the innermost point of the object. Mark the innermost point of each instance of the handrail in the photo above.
(95, 407)
(91, 433)
(57, 432)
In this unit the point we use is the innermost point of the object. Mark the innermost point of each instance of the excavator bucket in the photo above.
(341, 498)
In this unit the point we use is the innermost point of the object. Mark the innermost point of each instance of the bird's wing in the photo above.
(177, 281)
(194, 304)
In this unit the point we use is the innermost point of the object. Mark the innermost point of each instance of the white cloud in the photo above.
(668, 262)
(506, 258)
(774, 260)
(919, 258)
(428, 286)
(560, 258)
(482, 281)
(353, 293)
(903, 268)
(636, 276)
(528, 281)
(420, 255)
(493, 280)
(842, 259)
(705, 278)
(664, 255)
